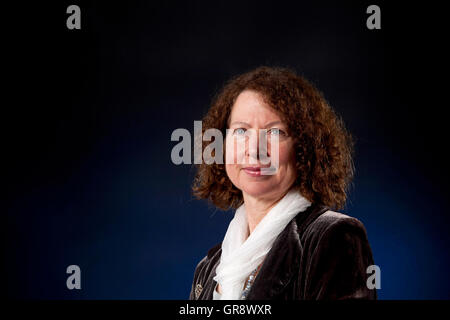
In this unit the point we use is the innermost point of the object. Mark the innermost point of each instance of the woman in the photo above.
(284, 242)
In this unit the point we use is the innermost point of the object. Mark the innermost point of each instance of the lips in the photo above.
(253, 171)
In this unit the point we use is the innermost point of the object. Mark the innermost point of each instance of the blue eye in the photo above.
(239, 131)
(276, 131)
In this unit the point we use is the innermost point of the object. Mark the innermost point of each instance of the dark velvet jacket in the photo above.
(318, 256)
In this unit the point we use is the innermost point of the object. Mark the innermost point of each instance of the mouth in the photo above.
(254, 171)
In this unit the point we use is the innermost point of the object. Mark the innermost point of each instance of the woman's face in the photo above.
(249, 115)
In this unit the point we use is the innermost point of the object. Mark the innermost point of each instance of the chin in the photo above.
(259, 189)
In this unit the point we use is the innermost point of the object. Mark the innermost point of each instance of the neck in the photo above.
(257, 208)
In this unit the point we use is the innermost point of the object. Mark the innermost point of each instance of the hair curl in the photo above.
(323, 146)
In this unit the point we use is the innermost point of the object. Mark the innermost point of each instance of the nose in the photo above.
(257, 146)
(252, 145)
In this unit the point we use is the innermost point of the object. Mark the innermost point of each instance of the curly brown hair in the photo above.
(324, 148)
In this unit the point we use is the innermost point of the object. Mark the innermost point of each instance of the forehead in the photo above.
(250, 107)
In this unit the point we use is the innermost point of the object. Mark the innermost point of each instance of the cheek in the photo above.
(287, 159)
(286, 154)
(232, 173)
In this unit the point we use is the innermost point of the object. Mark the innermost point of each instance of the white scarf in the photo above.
(241, 255)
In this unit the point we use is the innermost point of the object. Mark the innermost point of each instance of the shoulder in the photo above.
(337, 254)
(332, 220)
(332, 225)
(208, 261)
(214, 250)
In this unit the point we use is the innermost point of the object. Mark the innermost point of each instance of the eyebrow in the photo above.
(246, 124)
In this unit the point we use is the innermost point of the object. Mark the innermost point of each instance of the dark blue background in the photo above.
(88, 178)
